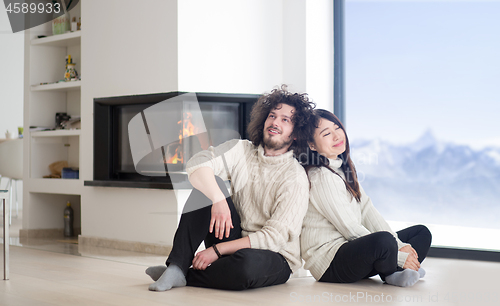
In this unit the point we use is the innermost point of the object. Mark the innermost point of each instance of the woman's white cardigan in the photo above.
(334, 217)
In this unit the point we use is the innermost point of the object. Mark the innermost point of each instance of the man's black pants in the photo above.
(246, 268)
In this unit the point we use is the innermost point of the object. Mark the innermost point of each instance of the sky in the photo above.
(413, 66)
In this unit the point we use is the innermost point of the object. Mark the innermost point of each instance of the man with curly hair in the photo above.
(252, 236)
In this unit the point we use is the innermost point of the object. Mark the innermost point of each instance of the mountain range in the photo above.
(431, 181)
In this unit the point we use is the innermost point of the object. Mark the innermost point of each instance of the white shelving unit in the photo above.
(45, 95)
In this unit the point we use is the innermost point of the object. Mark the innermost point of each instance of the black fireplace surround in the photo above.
(115, 165)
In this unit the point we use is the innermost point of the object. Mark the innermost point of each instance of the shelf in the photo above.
(56, 186)
(56, 133)
(62, 87)
(61, 40)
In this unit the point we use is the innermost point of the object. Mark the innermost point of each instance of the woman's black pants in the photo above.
(374, 254)
(246, 268)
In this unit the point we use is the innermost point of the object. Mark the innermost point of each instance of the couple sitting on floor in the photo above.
(281, 211)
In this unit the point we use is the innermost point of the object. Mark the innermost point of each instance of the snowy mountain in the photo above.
(431, 181)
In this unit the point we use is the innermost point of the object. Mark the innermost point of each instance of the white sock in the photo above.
(403, 278)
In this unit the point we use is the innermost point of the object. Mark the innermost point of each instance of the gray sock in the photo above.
(172, 277)
(403, 278)
(421, 271)
(155, 272)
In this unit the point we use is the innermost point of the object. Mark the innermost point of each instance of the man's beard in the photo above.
(275, 145)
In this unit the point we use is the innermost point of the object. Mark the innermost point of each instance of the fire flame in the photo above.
(187, 129)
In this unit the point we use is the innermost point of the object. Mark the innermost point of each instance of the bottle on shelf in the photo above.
(74, 25)
(68, 220)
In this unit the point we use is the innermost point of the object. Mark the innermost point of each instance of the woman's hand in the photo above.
(204, 258)
(408, 249)
(412, 259)
(411, 262)
(221, 219)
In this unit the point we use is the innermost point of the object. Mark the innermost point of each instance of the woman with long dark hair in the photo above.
(344, 238)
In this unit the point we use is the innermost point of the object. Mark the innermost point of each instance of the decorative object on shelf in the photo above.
(56, 169)
(70, 173)
(79, 24)
(74, 26)
(20, 131)
(61, 24)
(70, 74)
(60, 118)
(68, 220)
(8, 135)
(74, 122)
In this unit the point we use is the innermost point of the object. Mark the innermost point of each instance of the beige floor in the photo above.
(56, 273)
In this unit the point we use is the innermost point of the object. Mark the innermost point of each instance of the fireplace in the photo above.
(144, 141)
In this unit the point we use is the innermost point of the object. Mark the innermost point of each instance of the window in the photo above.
(422, 114)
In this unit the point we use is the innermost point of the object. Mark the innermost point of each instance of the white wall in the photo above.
(11, 76)
(11, 84)
(126, 49)
(251, 46)
(230, 46)
(294, 45)
(308, 49)
(319, 52)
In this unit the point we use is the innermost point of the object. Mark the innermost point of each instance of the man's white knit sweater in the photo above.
(271, 194)
(334, 217)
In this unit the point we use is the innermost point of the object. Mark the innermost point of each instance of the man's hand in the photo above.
(204, 180)
(221, 219)
(204, 258)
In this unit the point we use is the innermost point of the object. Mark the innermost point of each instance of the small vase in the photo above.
(70, 72)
